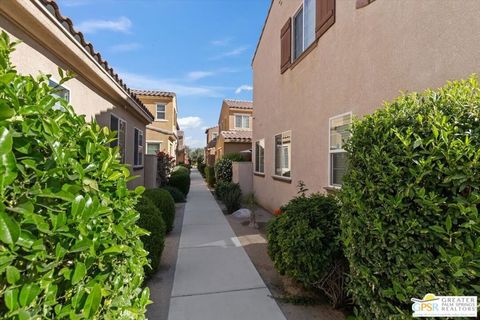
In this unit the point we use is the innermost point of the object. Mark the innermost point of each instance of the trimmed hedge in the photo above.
(223, 170)
(176, 194)
(181, 169)
(181, 181)
(164, 202)
(69, 243)
(232, 197)
(201, 168)
(151, 219)
(210, 176)
(220, 189)
(235, 157)
(410, 219)
(304, 241)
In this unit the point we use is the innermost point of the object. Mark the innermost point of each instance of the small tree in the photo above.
(165, 165)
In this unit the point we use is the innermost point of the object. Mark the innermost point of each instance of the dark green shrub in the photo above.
(410, 220)
(151, 219)
(304, 241)
(220, 189)
(232, 197)
(164, 202)
(69, 243)
(223, 170)
(181, 169)
(235, 157)
(210, 176)
(181, 181)
(201, 168)
(176, 194)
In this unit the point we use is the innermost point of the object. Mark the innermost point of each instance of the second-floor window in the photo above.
(214, 135)
(161, 112)
(303, 28)
(242, 121)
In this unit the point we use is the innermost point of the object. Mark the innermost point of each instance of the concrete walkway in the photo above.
(214, 277)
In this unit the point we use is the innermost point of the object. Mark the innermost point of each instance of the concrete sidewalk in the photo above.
(214, 277)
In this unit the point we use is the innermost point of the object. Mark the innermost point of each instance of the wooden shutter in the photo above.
(363, 3)
(325, 17)
(286, 46)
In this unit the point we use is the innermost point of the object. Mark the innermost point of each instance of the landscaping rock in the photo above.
(242, 214)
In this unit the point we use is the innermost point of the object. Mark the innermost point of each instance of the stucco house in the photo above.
(182, 152)
(211, 135)
(162, 133)
(49, 41)
(319, 63)
(234, 128)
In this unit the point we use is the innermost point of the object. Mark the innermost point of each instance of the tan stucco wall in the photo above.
(226, 120)
(31, 57)
(367, 57)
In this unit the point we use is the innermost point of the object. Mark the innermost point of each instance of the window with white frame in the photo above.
(161, 112)
(283, 146)
(153, 147)
(242, 121)
(59, 91)
(304, 27)
(120, 126)
(339, 134)
(260, 156)
(138, 148)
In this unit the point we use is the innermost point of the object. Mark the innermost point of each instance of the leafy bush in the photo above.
(151, 219)
(181, 169)
(232, 197)
(165, 164)
(235, 157)
(223, 170)
(181, 181)
(69, 243)
(201, 168)
(187, 166)
(410, 220)
(220, 188)
(210, 176)
(176, 194)
(304, 241)
(164, 202)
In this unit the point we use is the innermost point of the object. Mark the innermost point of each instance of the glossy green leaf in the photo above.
(9, 229)
(79, 273)
(11, 299)
(13, 275)
(28, 293)
(93, 301)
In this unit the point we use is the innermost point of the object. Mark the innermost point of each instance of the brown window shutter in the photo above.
(286, 47)
(325, 16)
(363, 3)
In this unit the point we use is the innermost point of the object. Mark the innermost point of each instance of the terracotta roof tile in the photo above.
(237, 136)
(153, 93)
(67, 23)
(238, 104)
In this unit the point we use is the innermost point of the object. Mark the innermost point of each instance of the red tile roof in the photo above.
(237, 136)
(153, 93)
(238, 104)
(67, 23)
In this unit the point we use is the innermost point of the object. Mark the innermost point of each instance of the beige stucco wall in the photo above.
(32, 57)
(242, 173)
(367, 57)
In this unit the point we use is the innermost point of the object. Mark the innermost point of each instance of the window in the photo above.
(339, 133)
(120, 126)
(214, 135)
(260, 156)
(59, 92)
(160, 112)
(242, 121)
(283, 151)
(153, 147)
(138, 148)
(304, 28)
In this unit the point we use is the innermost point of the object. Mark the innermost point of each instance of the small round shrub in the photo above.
(220, 189)
(69, 243)
(181, 181)
(164, 202)
(176, 194)
(410, 219)
(181, 169)
(303, 242)
(210, 176)
(232, 197)
(223, 170)
(151, 219)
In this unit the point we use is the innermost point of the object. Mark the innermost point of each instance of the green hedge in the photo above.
(69, 243)
(181, 181)
(220, 189)
(176, 194)
(304, 241)
(181, 169)
(210, 176)
(165, 203)
(223, 170)
(410, 219)
(151, 219)
(232, 197)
